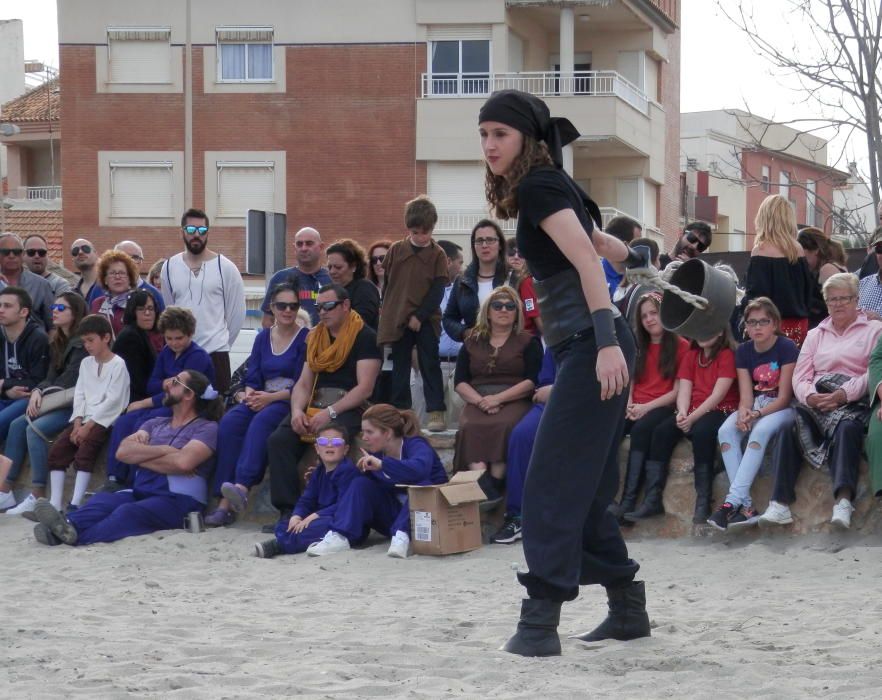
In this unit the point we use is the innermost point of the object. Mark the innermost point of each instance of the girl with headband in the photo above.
(570, 538)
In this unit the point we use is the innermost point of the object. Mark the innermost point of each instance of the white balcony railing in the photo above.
(48, 192)
(593, 83)
(463, 220)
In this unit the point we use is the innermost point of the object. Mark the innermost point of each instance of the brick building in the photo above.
(337, 112)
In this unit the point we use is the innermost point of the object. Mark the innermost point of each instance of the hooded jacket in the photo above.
(462, 308)
(25, 361)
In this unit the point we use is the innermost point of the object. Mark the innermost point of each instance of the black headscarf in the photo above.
(530, 115)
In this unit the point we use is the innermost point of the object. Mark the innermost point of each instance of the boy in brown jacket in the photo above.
(416, 274)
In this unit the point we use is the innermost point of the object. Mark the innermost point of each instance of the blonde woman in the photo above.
(778, 267)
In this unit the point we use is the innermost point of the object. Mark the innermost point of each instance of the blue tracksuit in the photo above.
(520, 443)
(167, 365)
(156, 501)
(320, 496)
(374, 501)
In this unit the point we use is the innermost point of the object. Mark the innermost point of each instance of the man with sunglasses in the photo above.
(871, 286)
(695, 240)
(135, 252)
(308, 274)
(85, 259)
(14, 274)
(210, 285)
(36, 259)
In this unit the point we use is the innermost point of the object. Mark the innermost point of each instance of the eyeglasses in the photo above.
(500, 305)
(696, 241)
(330, 442)
(286, 305)
(375, 259)
(757, 322)
(77, 249)
(10, 251)
(486, 241)
(36, 251)
(146, 310)
(195, 230)
(328, 305)
(59, 307)
(878, 248)
(836, 301)
(117, 273)
(175, 380)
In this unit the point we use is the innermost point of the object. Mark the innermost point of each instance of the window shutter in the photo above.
(244, 186)
(454, 32)
(140, 61)
(141, 190)
(457, 189)
(244, 34)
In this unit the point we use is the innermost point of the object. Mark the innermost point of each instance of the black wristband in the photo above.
(604, 328)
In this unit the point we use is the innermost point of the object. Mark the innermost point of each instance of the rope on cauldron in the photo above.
(650, 276)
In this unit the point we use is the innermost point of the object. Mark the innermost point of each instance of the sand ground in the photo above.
(196, 616)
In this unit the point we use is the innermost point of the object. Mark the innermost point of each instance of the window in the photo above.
(141, 190)
(139, 55)
(245, 54)
(811, 203)
(766, 179)
(460, 67)
(245, 185)
(784, 184)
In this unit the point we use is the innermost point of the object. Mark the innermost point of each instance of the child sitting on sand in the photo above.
(315, 509)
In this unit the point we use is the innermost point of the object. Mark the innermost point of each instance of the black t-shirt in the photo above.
(365, 299)
(365, 348)
(541, 193)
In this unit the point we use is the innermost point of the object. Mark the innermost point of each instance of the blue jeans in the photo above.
(22, 439)
(10, 409)
(741, 466)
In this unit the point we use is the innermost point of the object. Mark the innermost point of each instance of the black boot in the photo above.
(627, 618)
(656, 474)
(633, 476)
(537, 629)
(704, 480)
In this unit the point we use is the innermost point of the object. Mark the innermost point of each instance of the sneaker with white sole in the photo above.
(842, 514)
(7, 501)
(776, 514)
(331, 543)
(400, 545)
(26, 506)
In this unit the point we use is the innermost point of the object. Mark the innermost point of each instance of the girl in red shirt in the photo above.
(653, 392)
(706, 395)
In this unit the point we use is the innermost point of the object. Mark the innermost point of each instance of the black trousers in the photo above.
(703, 437)
(569, 537)
(426, 342)
(641, 431)
(845, 456)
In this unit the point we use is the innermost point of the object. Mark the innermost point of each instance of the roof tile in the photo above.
(36, 105)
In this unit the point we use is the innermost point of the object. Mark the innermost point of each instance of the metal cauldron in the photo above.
(681, 317)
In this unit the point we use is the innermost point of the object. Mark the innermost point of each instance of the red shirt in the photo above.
(651, 384)
(704, 378)
(531, 305)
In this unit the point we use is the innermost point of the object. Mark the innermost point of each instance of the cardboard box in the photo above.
(444, 518)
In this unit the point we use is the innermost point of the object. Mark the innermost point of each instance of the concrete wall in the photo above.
(12, 75)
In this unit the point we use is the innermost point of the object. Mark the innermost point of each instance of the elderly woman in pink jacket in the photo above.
(830, 386)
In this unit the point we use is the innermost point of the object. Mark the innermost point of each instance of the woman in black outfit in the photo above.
(347, 266)
(139, 342)
(570, 539)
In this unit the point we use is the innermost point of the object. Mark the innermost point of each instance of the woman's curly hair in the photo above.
(502, 191)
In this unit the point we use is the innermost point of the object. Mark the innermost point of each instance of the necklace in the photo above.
(702, 364)
(486, 277)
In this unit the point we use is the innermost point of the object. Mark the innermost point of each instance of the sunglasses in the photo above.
(377, 259)
(59, 307)
(10, 251)
(286, 305)
(329, 442)
(500, 305)
(696, 241)
(195, 230)
(757, 322)
(77, 249)
(328, 305)
(878, 248)
(32, 252)
(514, 254)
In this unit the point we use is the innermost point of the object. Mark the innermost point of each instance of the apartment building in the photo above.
(730, 161)
(336, 112)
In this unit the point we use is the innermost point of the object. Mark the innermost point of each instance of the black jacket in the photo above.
(463, 306)
(67, 376)
(133, 346)
(26, 361)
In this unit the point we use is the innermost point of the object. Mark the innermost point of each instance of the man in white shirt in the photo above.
(210, 285)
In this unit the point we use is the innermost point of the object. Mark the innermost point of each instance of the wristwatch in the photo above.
(332, 413)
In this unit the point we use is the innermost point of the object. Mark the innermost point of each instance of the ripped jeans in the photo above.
(742, 466)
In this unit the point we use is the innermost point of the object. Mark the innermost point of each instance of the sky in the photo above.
(719, 69)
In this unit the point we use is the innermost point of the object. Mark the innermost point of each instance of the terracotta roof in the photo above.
(46, 222)
(34, 106)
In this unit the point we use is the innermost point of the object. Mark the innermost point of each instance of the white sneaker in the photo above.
(400, 545)
(842, 514)
(7, 500)
(26, 506)
(776, 514)
(332, 543)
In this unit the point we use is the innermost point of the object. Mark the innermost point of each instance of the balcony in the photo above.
(48, 192)
(594, 83)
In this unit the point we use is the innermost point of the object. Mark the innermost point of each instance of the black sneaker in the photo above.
(744, 517)
(722, 517)
(510, 532)
(267, 549)
(44, 535)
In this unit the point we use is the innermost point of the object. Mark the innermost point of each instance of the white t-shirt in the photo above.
(484, 289)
